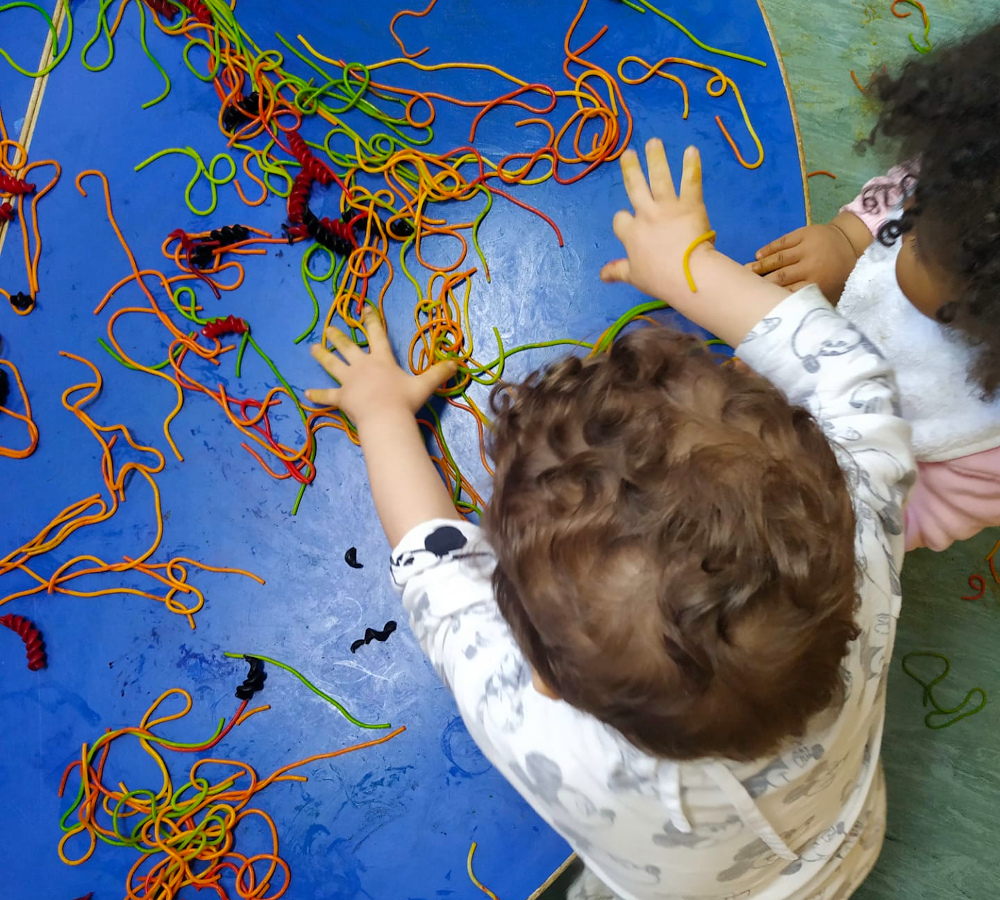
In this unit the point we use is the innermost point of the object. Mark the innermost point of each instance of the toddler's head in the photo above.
(675, 547)
(944, 111)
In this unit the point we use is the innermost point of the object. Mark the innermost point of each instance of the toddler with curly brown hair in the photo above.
(672, 631)
(914, 262)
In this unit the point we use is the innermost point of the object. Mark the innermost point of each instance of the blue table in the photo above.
(395, 821)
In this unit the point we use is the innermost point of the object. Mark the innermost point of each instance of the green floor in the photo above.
(944, 785)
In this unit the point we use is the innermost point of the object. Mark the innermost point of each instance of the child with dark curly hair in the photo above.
(672, 632)
(914, 262)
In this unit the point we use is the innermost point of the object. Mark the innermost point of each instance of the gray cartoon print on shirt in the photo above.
(753, 856)
(868, 524)
(472, 650)
(758, 855)
(542, 778)
(773, 775)
(871, 664)
(765, 326)
(851, 838)
(817, 781)
(890, 512)
(835, 432)
(635, 772)
(503, 694)
(703, 836)
(422, 626)
(421, 607)
(887, 500)
(803, 755)
(848, 682)
(811, 330)
(877, 395)
(826, 845)
(644, 776)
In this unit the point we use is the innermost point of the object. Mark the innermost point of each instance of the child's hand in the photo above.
(664, 225)
(728, 300)
(372, 384)
(824, 255)
(381, 399)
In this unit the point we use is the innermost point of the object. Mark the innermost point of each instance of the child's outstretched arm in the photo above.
(798, 342)
(729, 299)
(382, 401)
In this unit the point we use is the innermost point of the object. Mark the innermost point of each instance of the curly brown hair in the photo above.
(675, 547)
(942, 111)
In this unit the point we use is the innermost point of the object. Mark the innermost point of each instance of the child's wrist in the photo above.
(729, 299)
(854, 231)
(675, 286)
(378, 422)
(703, 261)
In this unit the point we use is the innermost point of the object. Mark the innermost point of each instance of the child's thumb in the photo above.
(427, 382)
(617, 270)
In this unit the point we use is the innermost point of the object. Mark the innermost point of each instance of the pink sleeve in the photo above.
(953, 500)
(885, 200)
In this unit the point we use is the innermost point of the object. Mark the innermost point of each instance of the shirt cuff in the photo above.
(779, 327)
(786, 347)
(430, 544)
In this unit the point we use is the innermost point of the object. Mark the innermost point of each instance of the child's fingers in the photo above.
(343, 344)
(622, 224)
(635, 182)
(334, 365)
(791, 277)
(776, 261)
(616, 270)
(691, 192)
(661, 182)
(378, 340)
(785, 242)
(324, 397)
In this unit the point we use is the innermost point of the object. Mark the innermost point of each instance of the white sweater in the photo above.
(932, 362)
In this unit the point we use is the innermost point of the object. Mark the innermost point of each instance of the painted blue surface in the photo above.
(396, 821)
(22, 36)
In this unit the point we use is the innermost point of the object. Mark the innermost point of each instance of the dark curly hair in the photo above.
(943, 110)
(675, 547)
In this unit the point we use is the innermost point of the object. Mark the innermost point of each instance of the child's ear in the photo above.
(542, 687)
